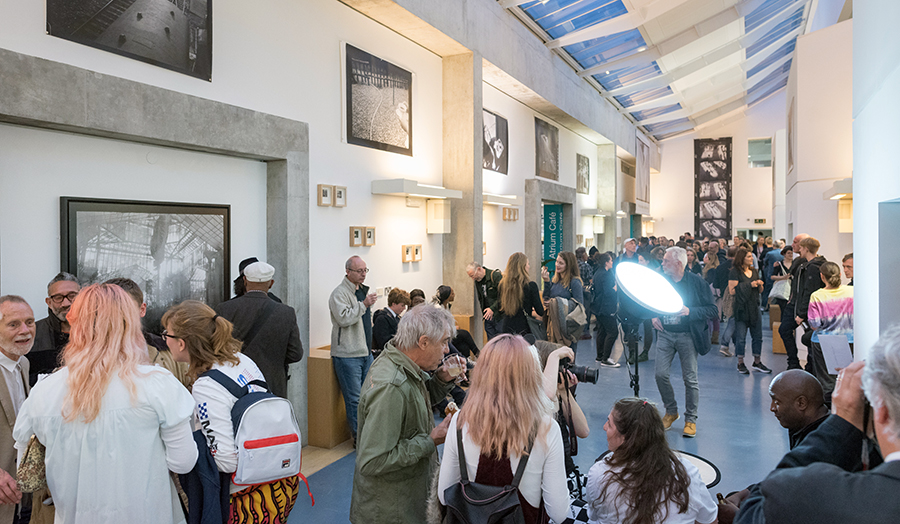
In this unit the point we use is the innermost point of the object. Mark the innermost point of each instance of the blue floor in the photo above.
(735, 429)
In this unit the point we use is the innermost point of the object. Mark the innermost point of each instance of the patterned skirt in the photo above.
(265, 503)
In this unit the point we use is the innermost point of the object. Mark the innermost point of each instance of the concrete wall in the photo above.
(819, 88)
(751, 187)
(876, 82)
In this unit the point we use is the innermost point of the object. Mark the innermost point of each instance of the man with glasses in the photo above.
(53, 331)
(351, 334)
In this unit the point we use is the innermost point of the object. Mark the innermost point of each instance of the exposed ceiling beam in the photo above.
(627, 22)
(662, 101)
(506, 4)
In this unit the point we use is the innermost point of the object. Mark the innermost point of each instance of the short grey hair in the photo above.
(472, 267)
(680, 254)
(423, 320)
(62, 276)
(881, 376)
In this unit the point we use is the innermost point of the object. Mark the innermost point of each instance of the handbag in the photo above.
(781, 290)
(536, 327)
(31, 475)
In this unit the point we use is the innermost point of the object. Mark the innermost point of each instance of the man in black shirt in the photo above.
(487, 287)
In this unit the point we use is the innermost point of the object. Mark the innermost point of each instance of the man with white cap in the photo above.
(268, 329)
(629, 252)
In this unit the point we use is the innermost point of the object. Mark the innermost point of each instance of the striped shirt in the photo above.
(831, 312)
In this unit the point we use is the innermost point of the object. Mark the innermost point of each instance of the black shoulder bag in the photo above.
(471, 503)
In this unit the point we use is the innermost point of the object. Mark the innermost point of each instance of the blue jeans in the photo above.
(351, 372)
(667, 345)
(726, 335)
(740, 337)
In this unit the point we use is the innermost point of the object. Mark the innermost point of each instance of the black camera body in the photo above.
(582, 373)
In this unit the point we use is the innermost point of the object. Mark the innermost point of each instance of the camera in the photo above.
(582, 373)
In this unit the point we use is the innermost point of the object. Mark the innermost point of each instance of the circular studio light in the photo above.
(648, 288)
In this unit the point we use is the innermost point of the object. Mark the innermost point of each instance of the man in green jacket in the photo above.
(487, 288)
(396, 439)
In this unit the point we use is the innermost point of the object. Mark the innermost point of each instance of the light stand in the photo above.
(643, 294)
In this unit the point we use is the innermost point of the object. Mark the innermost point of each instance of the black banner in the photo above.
(712, 182)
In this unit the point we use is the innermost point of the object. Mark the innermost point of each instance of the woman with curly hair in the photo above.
(642, 481)
(519, 296)
(566, 281)
(507, 413)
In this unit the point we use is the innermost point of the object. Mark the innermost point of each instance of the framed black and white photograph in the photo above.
(712, 181)
(326, 195)
(713, 209)
(379, 106)
(713, 191)
(340, 196)
(369, 239)
(495, 146)
(417, 253)
(173, 251)
(715, 228)
(583, 174)
(546, 147)
(174, 34)
(356, 236)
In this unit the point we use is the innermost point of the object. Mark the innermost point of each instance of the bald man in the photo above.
(788, 318)
(798, 403)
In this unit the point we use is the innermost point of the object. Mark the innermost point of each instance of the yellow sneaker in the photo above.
(690, 429)
(668, 420)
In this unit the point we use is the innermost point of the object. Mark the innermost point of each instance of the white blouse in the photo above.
(115, 468)
(544, 477)
(701, 505)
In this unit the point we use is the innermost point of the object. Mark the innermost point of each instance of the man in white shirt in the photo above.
(17, 331)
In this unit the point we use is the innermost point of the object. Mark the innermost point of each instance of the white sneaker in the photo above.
(724, 351)
(609, 364)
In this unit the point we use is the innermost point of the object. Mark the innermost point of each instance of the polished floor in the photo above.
(735, 429)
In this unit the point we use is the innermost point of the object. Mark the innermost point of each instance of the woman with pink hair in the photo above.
(113, 426)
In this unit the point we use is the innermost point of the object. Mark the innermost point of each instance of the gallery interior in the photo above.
(422, 136)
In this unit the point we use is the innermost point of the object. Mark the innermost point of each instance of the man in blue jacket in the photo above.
(685, 333)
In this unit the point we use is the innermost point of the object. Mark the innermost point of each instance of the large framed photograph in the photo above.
(546, 147)
(495, 146)
(175, 34)
(583, 171)
(712, 182)
(173, 251)
(379, 106)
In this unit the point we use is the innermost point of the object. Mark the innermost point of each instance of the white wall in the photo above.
(506, 237)
(876, 82)
(287, 65)
(37, 167)
(820, 86)
(751, 187)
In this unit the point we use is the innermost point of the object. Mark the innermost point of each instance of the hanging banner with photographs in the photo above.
(712, 179)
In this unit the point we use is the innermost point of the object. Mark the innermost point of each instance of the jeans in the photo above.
(740, 337)
(607, 331)
(668, 344)
(786, 330)
(490, 327)
(351, 372)
(727, 335)
(587, 311)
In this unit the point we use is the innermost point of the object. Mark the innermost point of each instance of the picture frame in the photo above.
(417, 253)
(369, 239)
(495, 142)
(546, 149)
(579, 239)
(582, 174)
(407, 253)
(178, 38)
(506, 213)
(357, 235)
(340, 196)
(484, 248)
(325, 194)
(371, 81)
(174, 251)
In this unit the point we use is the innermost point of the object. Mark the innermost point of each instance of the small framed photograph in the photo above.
(326, 195)
(370, 237)
(417, 253)
(340, 196)
(356, 236)
(506, 213)
(579, 239)
(516, 214)
(589, 242)
(407, 253)
(484, 248)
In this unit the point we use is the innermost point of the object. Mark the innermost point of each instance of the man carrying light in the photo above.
(685, 333)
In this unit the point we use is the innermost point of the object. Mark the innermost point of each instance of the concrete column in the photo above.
(606, 195)
(287, 249)
(462, 111)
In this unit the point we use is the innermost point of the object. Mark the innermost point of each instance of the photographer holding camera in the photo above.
(559, 383)
(825, 479)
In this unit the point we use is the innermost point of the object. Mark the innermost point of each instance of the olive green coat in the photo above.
(395, 456)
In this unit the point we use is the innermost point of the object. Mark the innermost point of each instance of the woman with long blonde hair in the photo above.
(519, 296)
(198, 336)
(106, 415)
(506, 414)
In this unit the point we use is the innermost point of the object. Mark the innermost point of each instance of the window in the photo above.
(760, 152)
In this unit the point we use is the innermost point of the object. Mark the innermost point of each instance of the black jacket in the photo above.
(605, 299)
(699, 301)
(488, 290)
(49, 340)
(384, 327)
(808, 282)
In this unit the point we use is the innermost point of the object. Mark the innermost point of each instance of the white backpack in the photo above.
(265, 433)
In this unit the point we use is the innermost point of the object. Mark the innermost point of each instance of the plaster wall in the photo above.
(751, 187)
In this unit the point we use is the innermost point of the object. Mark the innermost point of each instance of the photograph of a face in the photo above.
(546, 146)
(496, 142)
(326, 195)
(356, 236)
(370, 237)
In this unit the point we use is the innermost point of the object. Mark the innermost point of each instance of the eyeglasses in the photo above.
(362, 271)
(166, 335)
(58, 299)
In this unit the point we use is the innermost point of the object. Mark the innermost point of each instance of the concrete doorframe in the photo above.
(536, 192)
